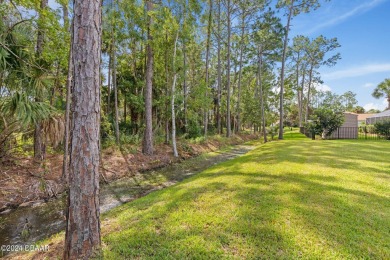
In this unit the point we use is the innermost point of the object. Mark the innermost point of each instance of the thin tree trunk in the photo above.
(260, 84)
(308, 94)
(125, 109)
(166, 91)
(185, 90)
(285, 43)
(39, 144)
(233, 91)
(228, 126)
(206, 122)
(219, 76)
(56, 84)
(82, 238)
(240, 75)
(175, 154)
(69, 88)
(300, 99)
(109, 82)
(148, 134)
(115, 87)
(297, 85)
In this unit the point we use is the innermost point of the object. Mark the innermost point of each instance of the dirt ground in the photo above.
(24, 182)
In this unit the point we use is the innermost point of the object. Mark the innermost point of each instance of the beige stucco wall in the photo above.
(351, 120)
(349, 130)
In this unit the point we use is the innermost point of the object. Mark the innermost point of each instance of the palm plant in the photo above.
(22, 78)
(383, 90)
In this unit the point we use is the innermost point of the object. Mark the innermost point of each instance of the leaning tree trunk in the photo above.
(281, 97)
(39, 144)
(147, 145)
(82, 238)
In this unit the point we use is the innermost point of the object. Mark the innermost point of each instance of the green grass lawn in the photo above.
(295, 198)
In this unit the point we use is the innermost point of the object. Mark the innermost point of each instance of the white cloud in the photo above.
(369, 85)
(370, 106)
(357, 71)
(362, 8)
(379, 106)
(322, 87)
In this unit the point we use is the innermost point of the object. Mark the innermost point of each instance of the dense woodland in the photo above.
(169, 69)
(89, 76)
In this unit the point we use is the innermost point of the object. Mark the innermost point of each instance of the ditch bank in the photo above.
(37, 220)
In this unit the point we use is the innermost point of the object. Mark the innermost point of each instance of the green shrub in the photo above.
(367, 129)
(325, 121)
(273, 130)
(383, 128)
(194, 130)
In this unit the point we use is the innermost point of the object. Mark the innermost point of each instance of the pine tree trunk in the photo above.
(240, 76)
(219, 72)
(39, 144)
(147, 147)
(175, 154)
(228, 121)
(115, 87)
(82, 239)
(65, 165)
(300, 99)
(297, 87)
(260, 84)
(308, 94)
(109, 83)
(166, 92)
(281, 97)
(206, 121)
(185, 90)
(124, 109)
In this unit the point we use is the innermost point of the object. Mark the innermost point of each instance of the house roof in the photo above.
(382, 114)
(362, 117)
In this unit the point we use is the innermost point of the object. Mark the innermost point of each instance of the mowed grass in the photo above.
(295, 198)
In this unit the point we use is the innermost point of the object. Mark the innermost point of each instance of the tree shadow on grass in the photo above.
(232, 212)
(187, 223)
(353, 223)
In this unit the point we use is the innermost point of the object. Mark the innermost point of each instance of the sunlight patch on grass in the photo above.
(296, 198)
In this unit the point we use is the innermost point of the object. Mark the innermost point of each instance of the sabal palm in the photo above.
(383, 90)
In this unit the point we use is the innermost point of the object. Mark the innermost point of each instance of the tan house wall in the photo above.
(349, 130)
(351, 120)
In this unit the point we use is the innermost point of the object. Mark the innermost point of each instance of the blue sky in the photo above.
(362, 28)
